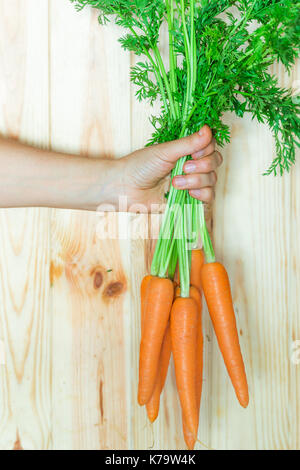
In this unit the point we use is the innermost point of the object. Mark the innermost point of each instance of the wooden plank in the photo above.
(70, 377)
(25, 322)
(252, 223)
(165, 433)
(90, 106)
(294, 292)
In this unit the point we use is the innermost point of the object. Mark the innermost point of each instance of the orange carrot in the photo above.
(184, 320)
(153, 404)
(156, 315)
(196, 266)
(217, 293)
(197, 262)
(189, 438)
(152, 408)
(165, 357)
(144, 292)
(195, 294)
(199, 363)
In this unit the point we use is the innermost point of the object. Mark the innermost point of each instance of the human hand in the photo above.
(145, 172)
(41, 178)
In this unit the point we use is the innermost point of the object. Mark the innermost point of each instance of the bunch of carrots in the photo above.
(218, 61)
(172, 324)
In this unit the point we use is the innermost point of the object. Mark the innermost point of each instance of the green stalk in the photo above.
(172, 56)
(206, 240)
(193, 47)
(155, 67)
(187, 47)
(183, 255)
(168, 247)
(166, 230)
(165, 79)
(173, 262)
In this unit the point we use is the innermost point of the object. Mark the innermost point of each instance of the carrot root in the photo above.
(196, 267)
(153, 404)
(184, 320)
(216, 288)
(159, 300)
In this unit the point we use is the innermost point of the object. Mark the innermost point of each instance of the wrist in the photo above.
(101, 186)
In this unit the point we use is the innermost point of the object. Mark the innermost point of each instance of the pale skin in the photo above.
(31, 177)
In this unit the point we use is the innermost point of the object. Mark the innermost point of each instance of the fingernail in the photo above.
(189, 167)
(180, 181)
(196, 193)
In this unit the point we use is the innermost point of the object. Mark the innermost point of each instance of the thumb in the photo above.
(172, 151)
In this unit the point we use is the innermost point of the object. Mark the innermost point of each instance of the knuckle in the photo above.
(207, 132)
(211, 148)
(195, 141)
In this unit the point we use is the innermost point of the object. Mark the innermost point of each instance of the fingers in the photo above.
(205, 164)
(208, 150)
(196, 181)
(200, 177)
(200, 186)
(205, 194)
(193, 144)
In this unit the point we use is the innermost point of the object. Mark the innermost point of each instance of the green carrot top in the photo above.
(220, 54)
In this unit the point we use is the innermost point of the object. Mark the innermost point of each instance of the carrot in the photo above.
(217, 293)
(184, 320)
(189, 438)
(197, 262)
(144, 292)
(152, 409)
(199, 363)
(196, 266)
(165, 357)
(158, 305)
(195, 294)
(153, 404)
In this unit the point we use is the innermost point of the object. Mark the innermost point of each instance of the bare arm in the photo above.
(32, 177)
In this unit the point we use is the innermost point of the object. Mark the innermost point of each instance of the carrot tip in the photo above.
(152, 418)
(190, 445)
(243, 400)
(245, 405)
(141, 401)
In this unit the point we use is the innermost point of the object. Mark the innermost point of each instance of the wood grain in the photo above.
(25, 316)
(89, 332)
(69, 299)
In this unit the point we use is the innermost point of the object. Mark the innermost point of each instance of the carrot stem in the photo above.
(206, 240)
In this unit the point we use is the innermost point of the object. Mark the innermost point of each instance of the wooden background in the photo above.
(70, 329)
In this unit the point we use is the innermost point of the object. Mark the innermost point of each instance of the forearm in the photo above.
(30, 177)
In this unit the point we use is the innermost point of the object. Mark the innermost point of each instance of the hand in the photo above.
(145, 172)
(34, 177)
